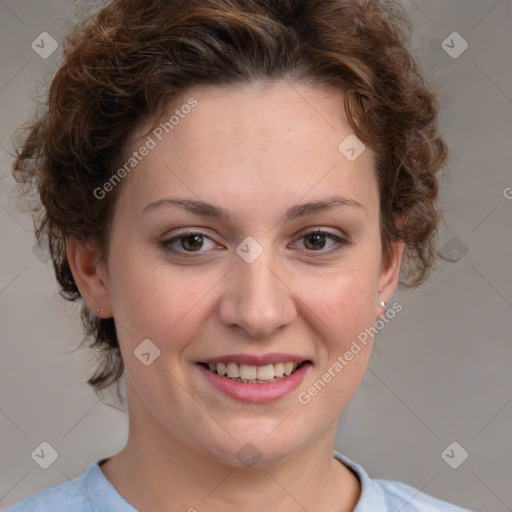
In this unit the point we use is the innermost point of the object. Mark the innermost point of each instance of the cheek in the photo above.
(158, 302)
(346, 308)
(145, 304)
(347, 301)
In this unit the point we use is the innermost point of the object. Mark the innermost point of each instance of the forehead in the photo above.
(252, 146)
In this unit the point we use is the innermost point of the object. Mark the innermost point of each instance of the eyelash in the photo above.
(340, 243)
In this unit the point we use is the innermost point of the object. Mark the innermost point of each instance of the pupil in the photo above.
(197, 238)
(318, 236)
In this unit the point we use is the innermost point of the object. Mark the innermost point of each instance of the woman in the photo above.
(234, 189)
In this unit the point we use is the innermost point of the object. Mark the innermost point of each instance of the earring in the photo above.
(98, 310)
(382, 303)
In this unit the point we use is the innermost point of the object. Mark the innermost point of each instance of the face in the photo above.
(253, 286)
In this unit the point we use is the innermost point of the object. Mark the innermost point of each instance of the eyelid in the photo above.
(322, 230)
(167, 241)
(341, 241)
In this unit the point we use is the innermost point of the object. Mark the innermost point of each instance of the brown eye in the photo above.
(188, 242)
(191, 242)
(315, 241)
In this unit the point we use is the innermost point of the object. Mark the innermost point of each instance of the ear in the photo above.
(90, 275)
(390, 273)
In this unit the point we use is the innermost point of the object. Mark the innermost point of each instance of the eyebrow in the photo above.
(209, 210)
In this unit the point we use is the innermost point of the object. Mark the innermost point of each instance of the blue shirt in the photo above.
(92, 492)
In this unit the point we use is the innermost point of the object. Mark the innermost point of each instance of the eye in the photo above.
(315, 240)
(187, 242)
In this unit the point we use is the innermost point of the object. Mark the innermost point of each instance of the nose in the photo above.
(257, 298)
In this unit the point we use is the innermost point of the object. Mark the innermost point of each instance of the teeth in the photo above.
(278, 370)
(289, 367)
(266, 372)
(247, 372)
(233, 371)
(221, 369)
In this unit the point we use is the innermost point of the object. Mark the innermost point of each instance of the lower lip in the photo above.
(256, 393)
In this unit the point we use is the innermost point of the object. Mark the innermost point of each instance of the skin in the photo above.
(254, 150)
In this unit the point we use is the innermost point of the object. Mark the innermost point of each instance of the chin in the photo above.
(256, 451)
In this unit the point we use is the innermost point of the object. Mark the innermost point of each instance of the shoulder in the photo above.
(88, 492)
(399, 495)
(389, 496)
(66, 496)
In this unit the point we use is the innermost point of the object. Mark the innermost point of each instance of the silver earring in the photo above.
(98, 310)
(382, 303)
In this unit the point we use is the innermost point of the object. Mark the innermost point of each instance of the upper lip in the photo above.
(256, 360)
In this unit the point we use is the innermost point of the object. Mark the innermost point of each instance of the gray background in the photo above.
(440, 371)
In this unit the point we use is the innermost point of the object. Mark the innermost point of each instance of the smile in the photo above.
(254, 383)
(251, 374)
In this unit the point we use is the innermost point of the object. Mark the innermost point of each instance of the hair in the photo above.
(129, 61)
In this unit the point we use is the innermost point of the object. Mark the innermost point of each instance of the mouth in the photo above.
(252, 374)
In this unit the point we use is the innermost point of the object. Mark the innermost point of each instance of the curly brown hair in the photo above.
(126, 63)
